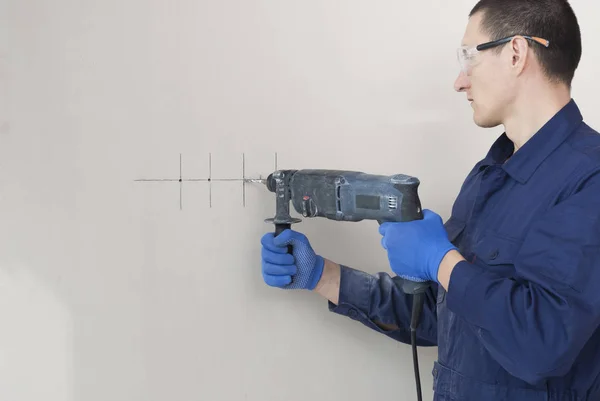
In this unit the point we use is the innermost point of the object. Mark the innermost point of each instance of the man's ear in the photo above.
(519, 54)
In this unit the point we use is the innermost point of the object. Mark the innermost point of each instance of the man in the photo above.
(516, 310)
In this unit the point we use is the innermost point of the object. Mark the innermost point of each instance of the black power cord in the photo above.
(417, 308)
(417, 290)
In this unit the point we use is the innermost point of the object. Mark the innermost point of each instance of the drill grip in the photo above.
(279, 228)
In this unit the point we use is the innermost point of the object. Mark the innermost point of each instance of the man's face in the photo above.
(487, 80)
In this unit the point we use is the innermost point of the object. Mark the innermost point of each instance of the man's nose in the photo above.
(462, 82)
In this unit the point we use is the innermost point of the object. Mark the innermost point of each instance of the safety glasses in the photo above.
(467, 54)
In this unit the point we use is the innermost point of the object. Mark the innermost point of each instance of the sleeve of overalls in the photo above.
(377, 300)
(536, 323)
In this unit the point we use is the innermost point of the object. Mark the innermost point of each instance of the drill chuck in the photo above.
(271, 182)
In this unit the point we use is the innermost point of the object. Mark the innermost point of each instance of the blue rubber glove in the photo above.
(416, 248)
(300, 270)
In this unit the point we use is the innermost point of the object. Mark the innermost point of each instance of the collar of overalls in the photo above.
(522, 164)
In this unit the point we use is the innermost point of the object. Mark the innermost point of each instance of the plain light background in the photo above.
(110, 291)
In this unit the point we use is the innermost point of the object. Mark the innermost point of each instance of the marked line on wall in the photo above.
(209, 179)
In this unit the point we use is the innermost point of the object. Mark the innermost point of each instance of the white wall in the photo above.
(108, 291)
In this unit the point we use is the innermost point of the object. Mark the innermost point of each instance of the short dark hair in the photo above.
(553, 20)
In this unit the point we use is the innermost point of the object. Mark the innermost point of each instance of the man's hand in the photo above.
(300, 270)
(416, 248)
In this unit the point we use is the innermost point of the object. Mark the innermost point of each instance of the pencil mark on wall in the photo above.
(180, 184)
(209, 180)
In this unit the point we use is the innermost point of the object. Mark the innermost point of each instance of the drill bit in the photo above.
(256, 180)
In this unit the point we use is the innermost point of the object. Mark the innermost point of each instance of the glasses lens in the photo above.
(465, 57)
(461, 55)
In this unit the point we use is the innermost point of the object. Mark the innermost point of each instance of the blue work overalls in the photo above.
(520, 320)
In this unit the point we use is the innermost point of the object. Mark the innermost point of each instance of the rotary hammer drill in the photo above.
(351, 196)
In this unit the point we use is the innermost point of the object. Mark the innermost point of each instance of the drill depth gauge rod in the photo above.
(351, 196)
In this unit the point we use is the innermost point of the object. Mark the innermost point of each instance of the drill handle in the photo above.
(414, 287)
(279, 228)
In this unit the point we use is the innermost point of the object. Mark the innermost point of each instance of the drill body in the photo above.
(348, 195)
